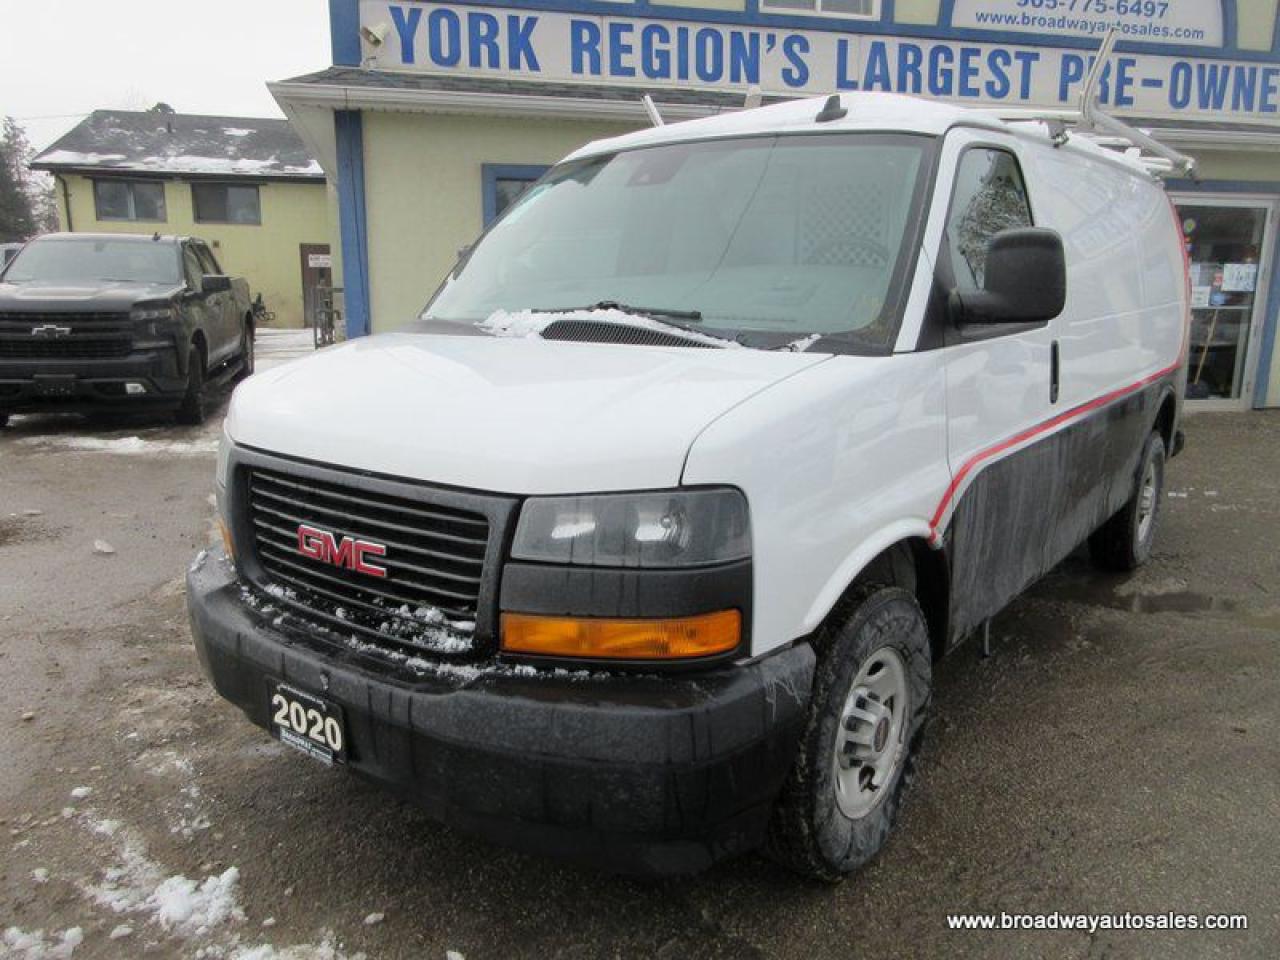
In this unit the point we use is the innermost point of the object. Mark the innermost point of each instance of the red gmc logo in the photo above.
(348, 552)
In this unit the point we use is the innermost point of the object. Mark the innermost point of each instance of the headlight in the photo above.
(153, 311)
(675, 528)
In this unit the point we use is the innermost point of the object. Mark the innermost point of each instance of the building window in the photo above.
(861, 9)
(129, 200)
(226, 203)
(503, 185)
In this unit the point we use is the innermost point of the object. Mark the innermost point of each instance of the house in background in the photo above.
(247, 186)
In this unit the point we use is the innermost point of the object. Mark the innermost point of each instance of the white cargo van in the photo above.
(640, 547)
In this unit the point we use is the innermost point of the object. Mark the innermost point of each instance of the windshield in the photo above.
(75, 260)
(768, 239)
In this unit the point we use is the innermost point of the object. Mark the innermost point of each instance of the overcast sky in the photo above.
(60, 59)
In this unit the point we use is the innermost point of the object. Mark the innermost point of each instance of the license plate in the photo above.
(55, 386)
(308, 723)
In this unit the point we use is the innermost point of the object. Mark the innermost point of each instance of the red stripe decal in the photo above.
(1030, 432)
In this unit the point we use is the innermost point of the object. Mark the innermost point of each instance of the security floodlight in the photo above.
(374, 35)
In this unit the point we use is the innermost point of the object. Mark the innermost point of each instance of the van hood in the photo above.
(525, 416)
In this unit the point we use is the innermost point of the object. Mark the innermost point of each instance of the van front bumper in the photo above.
(637, 774)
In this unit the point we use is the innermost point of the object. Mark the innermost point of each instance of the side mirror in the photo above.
(1025, 280)
(216, 283)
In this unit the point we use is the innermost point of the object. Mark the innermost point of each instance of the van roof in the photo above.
(880, 112)
(866, 111)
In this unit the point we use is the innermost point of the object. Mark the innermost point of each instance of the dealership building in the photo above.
(434, 116)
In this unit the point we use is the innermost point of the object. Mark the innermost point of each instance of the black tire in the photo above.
(810, 832)
(246, 352)
(1124, 542)
(4, 420)
(192, 410)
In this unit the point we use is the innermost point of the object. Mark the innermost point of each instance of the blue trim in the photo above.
(344, 32)
(1230, 30)
(1267, 347)
(491, 173)
(752, 16)
(348, 128)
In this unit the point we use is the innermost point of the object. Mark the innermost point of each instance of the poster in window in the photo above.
(1239, 277)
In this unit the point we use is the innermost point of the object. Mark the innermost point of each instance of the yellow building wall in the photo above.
(423, 192)
(266, 255)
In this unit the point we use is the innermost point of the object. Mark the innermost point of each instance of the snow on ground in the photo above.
(35, 946)
(205, 913)
(131, 445)
(274, 347)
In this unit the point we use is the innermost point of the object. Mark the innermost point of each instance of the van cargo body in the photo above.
(638, 546)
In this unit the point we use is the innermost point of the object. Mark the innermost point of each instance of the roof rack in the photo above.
(1098, 126)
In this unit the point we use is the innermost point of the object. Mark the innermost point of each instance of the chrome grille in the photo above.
(434, 558)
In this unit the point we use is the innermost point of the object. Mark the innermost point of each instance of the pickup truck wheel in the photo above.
(192, 410)
(246, 353)
(1124, 542)
(867, 713)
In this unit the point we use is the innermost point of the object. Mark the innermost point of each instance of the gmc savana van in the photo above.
(640, 547)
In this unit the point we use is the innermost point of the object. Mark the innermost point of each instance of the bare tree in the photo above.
(27, 204)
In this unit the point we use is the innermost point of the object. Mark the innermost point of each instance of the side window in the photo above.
(989, 196)
(191, 267)
(207, 262)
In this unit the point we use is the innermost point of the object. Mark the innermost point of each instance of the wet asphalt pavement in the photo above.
(1119, 752)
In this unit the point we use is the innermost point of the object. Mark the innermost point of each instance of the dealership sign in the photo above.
(654, 53)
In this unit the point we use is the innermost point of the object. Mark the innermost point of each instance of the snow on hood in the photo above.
(516, 414)
(531, 323)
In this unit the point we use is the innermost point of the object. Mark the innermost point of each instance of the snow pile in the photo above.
(129, 446)
(181, 906)
(327, 949)
(531, 323)
(33, 946)
(804, 343)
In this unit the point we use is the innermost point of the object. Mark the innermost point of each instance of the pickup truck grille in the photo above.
(64, 336)
(434, 559)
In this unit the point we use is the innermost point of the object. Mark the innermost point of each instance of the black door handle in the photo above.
(1055, 365)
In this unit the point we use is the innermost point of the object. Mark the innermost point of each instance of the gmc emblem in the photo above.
(348, 552)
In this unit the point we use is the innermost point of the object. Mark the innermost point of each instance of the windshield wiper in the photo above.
(662, 315)
(693, 316)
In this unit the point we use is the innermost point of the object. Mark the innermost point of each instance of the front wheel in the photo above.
(246, 353)
(1124, 542)
(870, 699)
(192, 411)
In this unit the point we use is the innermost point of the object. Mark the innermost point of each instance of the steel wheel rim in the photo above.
(1147, 501)
(871, 735)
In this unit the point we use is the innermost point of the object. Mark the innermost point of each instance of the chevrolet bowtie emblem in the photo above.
(50, 331)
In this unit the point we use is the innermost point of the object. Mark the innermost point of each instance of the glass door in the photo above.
(1228, 240)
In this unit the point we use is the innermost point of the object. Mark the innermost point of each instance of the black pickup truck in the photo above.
(108, 321)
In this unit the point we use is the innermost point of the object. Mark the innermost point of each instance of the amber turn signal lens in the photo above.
(226, 539)
(673, 639)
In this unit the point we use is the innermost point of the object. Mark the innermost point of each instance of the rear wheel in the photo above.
(1124, 542)
(192, 410)
(867, 713)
